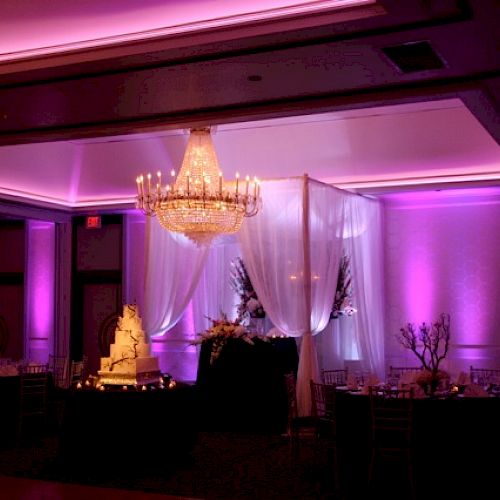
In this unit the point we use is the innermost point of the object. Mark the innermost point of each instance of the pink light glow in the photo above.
(442, 257)
(40, 289)
(30, 28)
(418, 292)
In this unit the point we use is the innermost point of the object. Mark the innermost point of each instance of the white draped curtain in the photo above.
(213, 294)
(292, 250)
(359, 337)
(363, 243)
(173, 268)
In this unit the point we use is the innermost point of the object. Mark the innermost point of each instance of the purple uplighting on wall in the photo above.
(442, 257)
(40, 282)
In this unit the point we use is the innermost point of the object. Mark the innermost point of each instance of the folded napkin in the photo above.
(372, 380)
(365, 390)
(352, 382)
(409, 377)
(475, 391)
(418, 392)
(463, 379)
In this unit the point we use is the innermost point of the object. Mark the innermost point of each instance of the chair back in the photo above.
(76, 374)
(323, 400)
(291, 395)
(58, 365)
(391, 417)
(484, 376)
(34, 368)
(33, 392)
(334, 377)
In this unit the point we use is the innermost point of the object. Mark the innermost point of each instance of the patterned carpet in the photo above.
(222, 466)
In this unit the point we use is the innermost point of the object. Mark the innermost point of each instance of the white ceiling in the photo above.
(400, 146)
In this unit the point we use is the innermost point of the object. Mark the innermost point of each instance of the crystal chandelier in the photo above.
(198, 203)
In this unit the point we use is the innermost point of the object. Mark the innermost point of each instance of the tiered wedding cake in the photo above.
(130, 361)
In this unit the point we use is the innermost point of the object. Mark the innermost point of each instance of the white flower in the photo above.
(239, 330)
(253, 305)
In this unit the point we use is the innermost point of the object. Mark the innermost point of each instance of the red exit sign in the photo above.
(93, 222)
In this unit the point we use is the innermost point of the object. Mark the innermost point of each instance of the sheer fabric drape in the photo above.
(360, 336)
(292, 250)
(213, 295)
(173, 268)
(363, 242)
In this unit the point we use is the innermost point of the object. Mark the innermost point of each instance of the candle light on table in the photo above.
(87, 383)
(125, 388)
(144, 388)
(79, 385)
(102, 388)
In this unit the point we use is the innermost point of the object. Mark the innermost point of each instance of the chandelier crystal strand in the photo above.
(198, 203)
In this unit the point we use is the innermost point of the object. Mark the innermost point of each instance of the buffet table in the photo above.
(244, 388)
(128, 430)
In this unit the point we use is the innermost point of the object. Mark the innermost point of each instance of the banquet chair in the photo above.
(334, 377)
(323, 409)
(395, 373)
(391, 413)
(484, 376)
(33, 396)
(299, 429)
(76, 372)
(34, 368)
(58, 365)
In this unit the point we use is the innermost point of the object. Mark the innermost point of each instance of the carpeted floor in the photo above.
(222, 466)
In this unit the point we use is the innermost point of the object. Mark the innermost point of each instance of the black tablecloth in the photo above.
(456, 443)
(128, 430)
(244, 389)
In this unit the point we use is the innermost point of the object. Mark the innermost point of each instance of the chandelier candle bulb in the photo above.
(247, 179)
(149, 184)
(237, 180)
(220, 184)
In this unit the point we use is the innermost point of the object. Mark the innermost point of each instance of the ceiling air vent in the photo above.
(414, 56)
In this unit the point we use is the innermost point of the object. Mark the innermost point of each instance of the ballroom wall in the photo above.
(441, 256)
(12, 260)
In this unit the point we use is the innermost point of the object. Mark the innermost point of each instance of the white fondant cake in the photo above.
(130, 360)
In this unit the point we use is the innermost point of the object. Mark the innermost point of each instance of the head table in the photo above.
(456, 445)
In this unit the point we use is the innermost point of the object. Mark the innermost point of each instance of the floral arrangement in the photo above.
(430, 345)
(223, 330)
(249, 305)
(342, 303)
